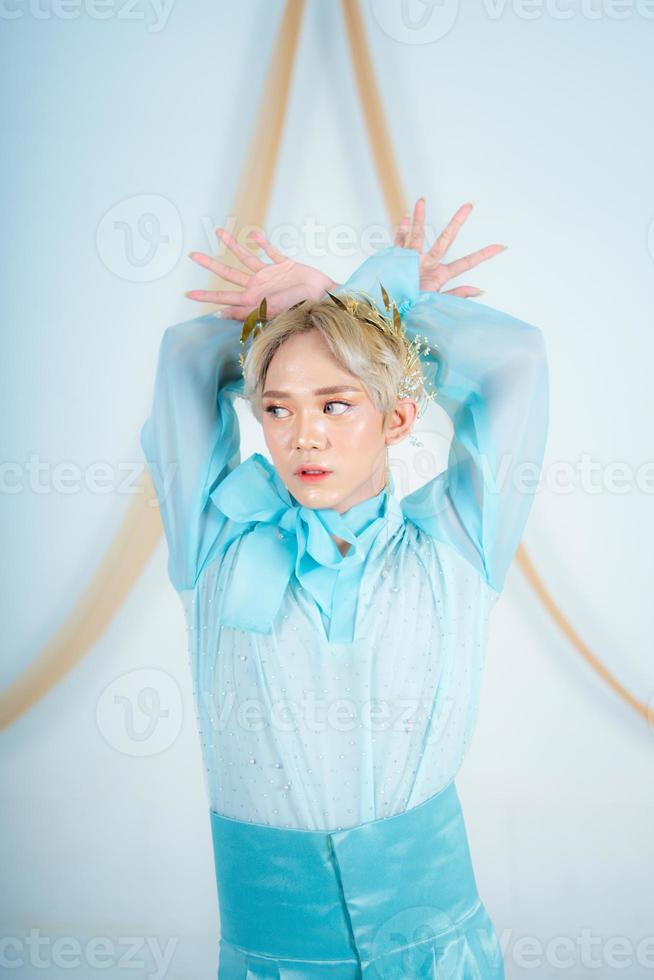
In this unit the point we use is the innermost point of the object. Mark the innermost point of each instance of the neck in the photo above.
(343, 546)
(366, 491)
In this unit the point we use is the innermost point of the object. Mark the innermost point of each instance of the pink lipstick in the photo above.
(311, 474)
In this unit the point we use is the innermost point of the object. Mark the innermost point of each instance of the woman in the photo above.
(336, 633)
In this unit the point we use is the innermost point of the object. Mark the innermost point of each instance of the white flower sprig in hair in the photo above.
(366, 309)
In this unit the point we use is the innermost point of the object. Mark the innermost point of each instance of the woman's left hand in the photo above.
(283, 282)
(434, 273)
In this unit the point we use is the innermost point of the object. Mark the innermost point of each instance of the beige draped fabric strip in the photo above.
(253, 194)
(141, 528)
(379, 137)
(109, 586)
(564, 624)
(382, 146)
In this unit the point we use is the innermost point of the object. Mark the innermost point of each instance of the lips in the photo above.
(310, 470)
(311, 474)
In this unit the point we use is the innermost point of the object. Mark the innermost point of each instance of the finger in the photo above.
(417, 239)
(201, 295)
(401, 233)
(470, 261)
(218, 296)
(232, 313)
(269, 249)
(221, 269)
(446, 237)
(465, 291)
(246, 257)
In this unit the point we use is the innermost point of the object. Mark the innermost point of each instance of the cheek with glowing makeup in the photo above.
(338, 429)
(346, 439)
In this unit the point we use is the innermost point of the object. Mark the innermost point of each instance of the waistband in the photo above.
(385, 898)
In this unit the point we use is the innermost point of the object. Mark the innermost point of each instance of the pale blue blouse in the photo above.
(335, 689)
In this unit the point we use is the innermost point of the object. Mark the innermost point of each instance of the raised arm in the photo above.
(191, 437)
(491, 376)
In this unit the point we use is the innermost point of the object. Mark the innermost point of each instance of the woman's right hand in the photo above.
(283, 282)
(434, 273)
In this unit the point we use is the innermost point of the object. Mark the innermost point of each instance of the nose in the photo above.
(309, 432)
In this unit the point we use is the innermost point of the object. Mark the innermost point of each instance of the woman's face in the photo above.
(316, 414)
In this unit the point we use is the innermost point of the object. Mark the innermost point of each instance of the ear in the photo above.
(401, 421)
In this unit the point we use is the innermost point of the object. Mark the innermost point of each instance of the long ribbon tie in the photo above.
(287, 537)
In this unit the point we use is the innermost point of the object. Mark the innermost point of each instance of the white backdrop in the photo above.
(539, 113)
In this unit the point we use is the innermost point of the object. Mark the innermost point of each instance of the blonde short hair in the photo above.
(365, 351)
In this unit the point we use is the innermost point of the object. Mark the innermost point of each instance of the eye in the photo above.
(347, 405)
(273, 408)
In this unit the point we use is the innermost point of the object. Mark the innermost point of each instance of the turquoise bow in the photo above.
(287, 537)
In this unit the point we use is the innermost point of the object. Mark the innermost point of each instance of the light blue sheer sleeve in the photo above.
(491, 375)
(191, 439)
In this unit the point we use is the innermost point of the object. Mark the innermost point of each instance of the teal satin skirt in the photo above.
(392, 898)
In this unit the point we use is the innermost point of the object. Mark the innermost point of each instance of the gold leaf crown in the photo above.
(364, 308)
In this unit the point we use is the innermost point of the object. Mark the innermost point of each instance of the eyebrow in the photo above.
(330, 390)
